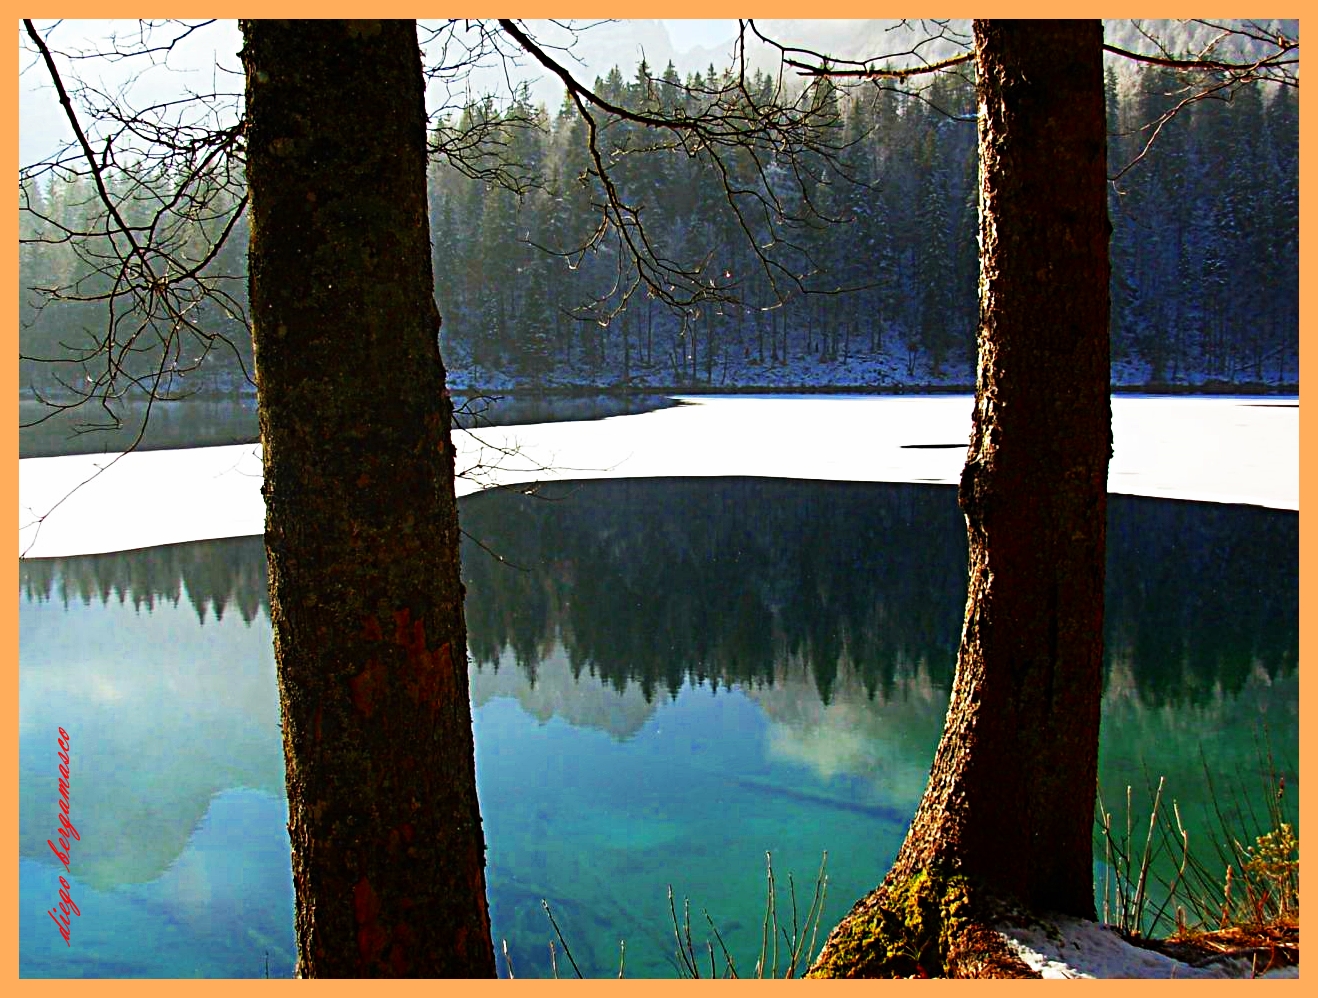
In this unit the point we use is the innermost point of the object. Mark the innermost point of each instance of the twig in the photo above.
(1145, 859)
(727, 957)
(688, 965)
(559, 933)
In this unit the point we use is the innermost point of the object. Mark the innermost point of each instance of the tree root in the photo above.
(925, 926)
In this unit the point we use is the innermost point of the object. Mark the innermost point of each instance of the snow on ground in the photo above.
(1231, 450)
(887, 369)
(1070, 947)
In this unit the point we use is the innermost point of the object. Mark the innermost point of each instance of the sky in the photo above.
(193, 64)
(687, 34)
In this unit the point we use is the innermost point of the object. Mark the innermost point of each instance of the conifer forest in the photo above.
(877, 280)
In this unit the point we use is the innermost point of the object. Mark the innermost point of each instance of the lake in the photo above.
(653, 655)
(212, 419)
(670, 678)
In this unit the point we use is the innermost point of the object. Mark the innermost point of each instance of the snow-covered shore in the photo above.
(1065, 947)
(1218, 449)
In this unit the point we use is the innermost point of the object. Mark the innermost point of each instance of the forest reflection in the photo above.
(739, 581)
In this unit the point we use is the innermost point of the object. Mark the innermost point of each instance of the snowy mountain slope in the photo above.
(602, 45)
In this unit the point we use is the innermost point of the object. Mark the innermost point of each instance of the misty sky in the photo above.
(205, 62)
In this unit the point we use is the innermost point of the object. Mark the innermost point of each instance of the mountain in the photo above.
(590, 48)
(599, 46)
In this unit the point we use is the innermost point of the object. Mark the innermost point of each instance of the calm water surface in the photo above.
(670, 678)
(215, 420)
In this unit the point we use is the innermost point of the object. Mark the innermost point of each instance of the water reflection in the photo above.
(670, 677)
(727, 578)
(721, 579)
(162, 715)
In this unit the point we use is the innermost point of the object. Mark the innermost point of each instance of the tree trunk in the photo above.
(1013, 784)
(361, 522)
(1010, 800)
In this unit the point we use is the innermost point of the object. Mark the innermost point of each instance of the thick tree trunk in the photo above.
(1010, 800)
(1011, 794)
(361, 522)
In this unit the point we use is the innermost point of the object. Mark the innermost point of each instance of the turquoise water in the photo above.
(669, 679)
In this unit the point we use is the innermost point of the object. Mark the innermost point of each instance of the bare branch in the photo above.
(730, 121)
(149, 252)
(1241, 72)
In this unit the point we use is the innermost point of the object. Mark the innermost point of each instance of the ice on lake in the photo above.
(1212, 449)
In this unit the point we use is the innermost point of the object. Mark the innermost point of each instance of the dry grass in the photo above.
(1260, 910)
(1267, 947)
(1250, 909)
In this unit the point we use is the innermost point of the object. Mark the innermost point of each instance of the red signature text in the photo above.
(66, 905)
(66, 834)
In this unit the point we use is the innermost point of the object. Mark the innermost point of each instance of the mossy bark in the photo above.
(361, 520)
(926, 925)
(1010, 800)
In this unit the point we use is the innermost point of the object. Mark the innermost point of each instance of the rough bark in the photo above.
(1009, 804)
(361, 521)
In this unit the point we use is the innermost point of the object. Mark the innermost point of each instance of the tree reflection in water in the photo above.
(655, 581)
(834, 608)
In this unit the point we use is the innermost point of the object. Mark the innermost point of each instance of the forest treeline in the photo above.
(1204, 247)
(661, 582)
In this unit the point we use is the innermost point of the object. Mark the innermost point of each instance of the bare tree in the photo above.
(1007, 817)
(361, 523)
(167, 189)
(361, 517)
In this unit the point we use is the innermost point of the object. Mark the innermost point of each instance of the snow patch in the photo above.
(1209, 449)
(1065, 947)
